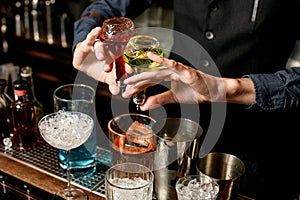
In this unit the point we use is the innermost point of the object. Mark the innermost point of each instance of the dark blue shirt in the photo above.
(280, 90)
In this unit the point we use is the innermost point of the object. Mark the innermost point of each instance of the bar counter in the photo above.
(39, 171)
(45, 174)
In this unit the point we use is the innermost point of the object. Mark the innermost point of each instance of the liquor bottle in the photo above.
(23, 119)
(26, 75)
(4, 112)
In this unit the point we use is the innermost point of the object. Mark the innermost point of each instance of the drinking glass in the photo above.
(127, 181)
(135, 55)
(67, 130)
(197, 187)
(132, 139)
(81, 98)
(116, 32)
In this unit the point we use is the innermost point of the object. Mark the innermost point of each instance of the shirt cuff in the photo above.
(269, 91)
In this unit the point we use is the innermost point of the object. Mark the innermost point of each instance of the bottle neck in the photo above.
(20, 94)
(30, 88)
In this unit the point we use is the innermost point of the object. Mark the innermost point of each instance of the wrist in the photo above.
(239, 91)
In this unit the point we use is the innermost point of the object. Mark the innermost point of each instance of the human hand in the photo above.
(92, 57)
(188, 85)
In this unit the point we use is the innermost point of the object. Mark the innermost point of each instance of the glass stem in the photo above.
(69, 175)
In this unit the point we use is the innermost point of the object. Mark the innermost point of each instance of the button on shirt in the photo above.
(209, 35)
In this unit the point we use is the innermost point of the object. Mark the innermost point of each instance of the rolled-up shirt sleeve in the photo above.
(278, 91)
(94, 14)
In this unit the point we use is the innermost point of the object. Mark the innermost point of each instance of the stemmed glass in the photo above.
(116, 32)
(67, 130)
(135, 55)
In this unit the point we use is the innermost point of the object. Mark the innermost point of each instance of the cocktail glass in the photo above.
(67, 130)
(116, 32)
(135, 55)
(80, 98)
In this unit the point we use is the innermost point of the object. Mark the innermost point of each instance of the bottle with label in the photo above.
(23, 119)
(26, 76)
(4, 112)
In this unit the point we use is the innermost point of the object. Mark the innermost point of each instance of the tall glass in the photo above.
(135, 55)
(67, 130)
(132, 139)
(81, 98)
(129, 181)
(116, 32)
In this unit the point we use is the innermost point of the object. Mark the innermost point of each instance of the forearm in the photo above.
(280, 90)
(239, 91)
(231, 90)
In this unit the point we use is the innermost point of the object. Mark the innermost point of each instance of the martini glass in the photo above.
(116, 32)
(67, 130)
(135, 55)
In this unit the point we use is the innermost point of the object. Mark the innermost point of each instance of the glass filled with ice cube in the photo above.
(132, 139)
(67, 130)
(197, 187)
(127, 181)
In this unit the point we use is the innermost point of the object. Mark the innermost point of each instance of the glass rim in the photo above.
(185, 179)
(135, 38)
(114, 119)
(46, 117)
(118, 20)
(71, 85)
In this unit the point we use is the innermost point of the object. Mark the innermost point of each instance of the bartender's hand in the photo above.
(189, 86)
(92, 57)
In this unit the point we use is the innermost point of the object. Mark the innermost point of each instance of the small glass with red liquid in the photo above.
(116, 32)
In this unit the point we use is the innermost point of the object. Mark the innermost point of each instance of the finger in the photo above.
(128, 68)
(92, 36)
(134, 89)
(154, 76)
(182, 72)
(172, 64)
(114, 89)
(155, 101)
(108, 67)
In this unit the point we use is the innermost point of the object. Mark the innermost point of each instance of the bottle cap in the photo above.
(26, 71)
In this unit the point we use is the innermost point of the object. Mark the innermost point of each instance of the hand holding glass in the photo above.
(135, 55)
(67, 130)
(116, 32)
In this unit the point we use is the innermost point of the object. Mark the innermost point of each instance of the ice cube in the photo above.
(140, 135)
